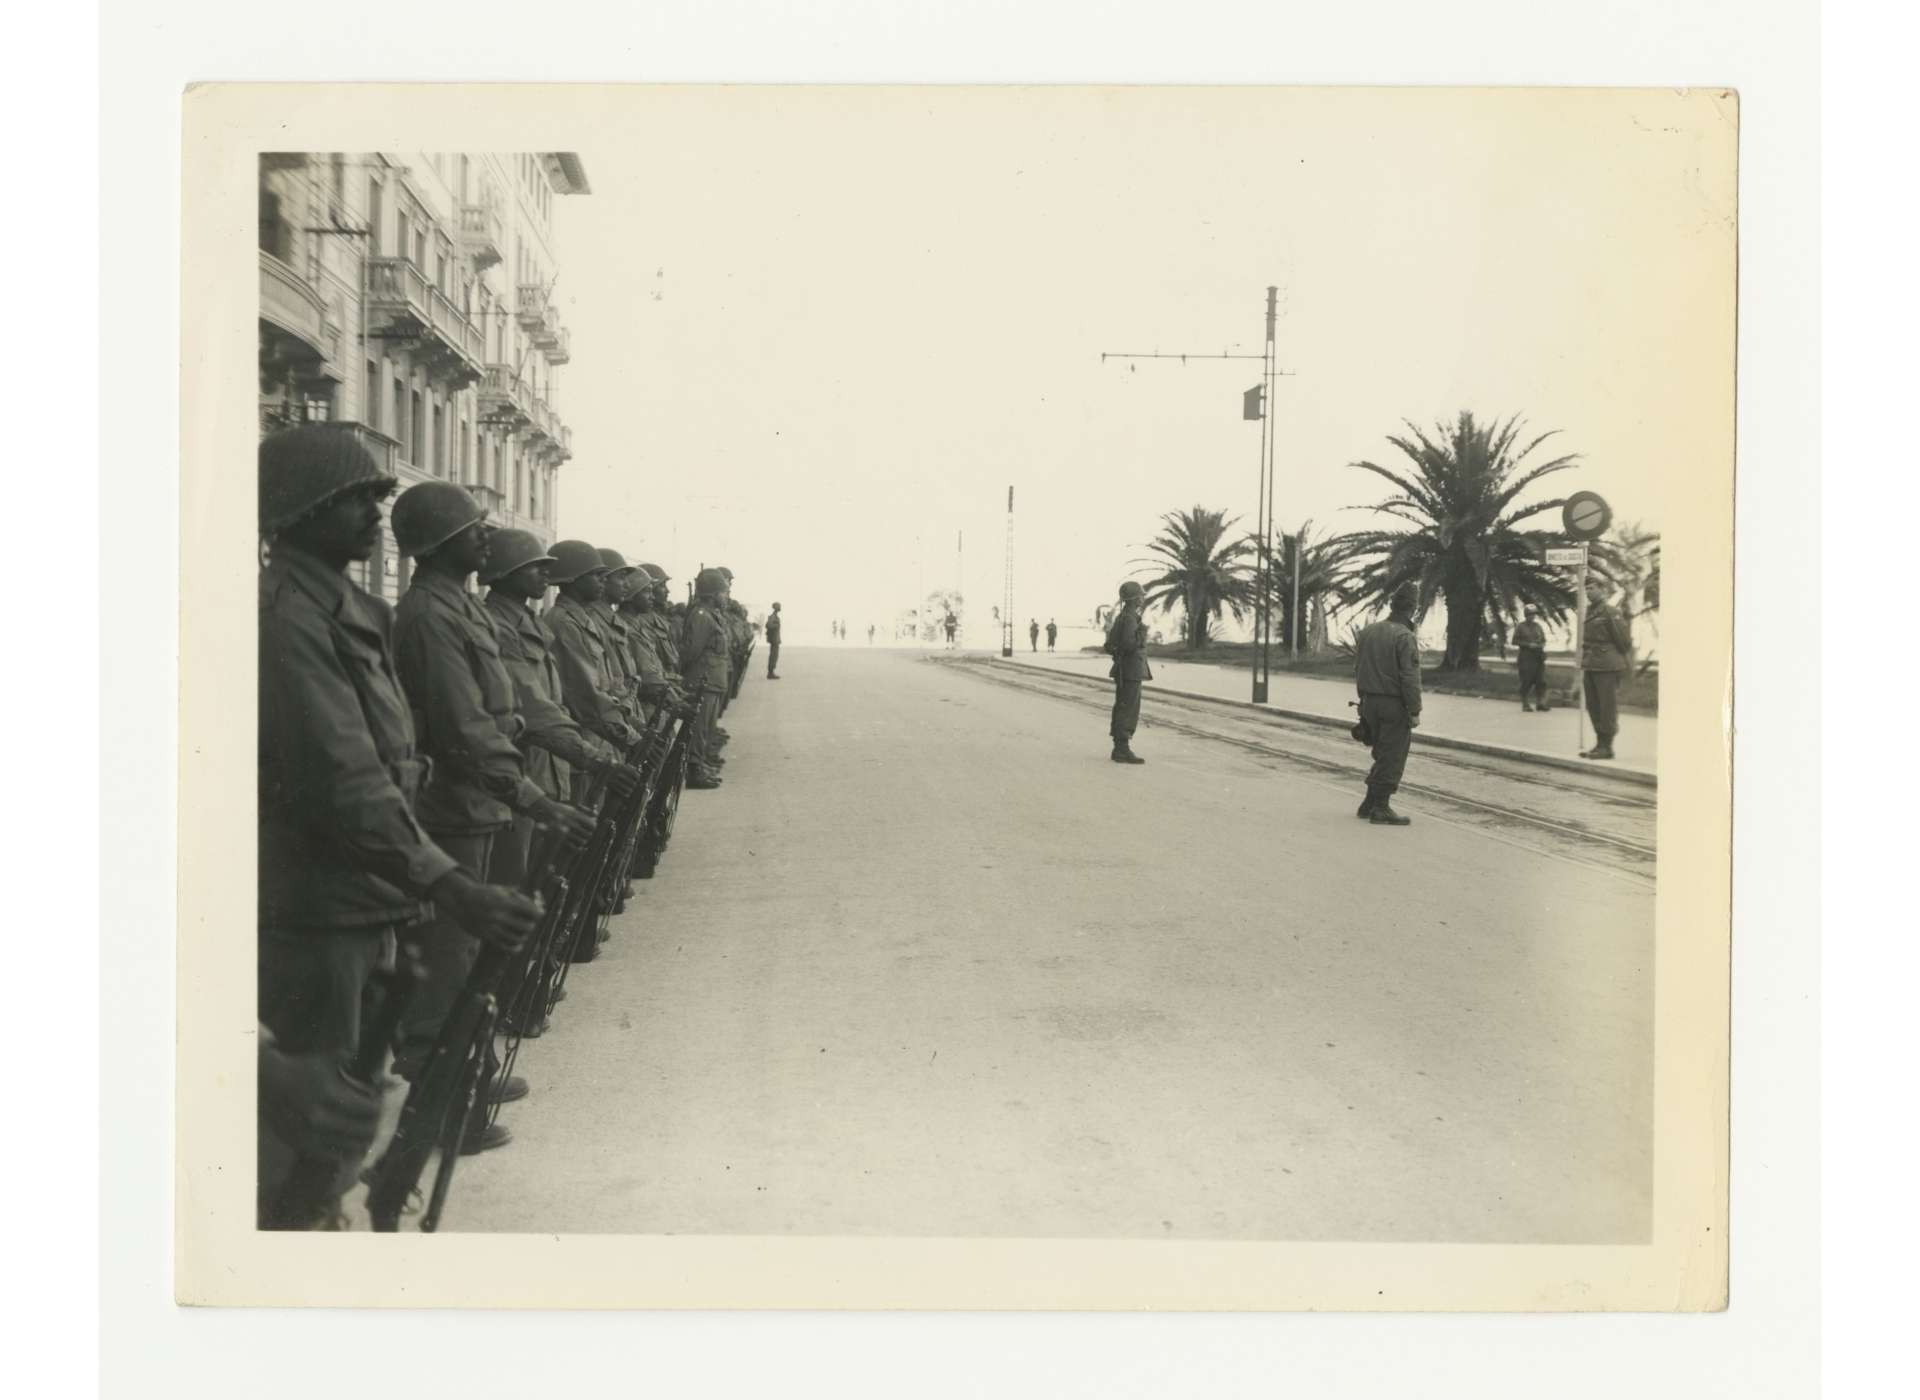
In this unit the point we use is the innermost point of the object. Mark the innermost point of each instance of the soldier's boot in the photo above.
(1369, 802)
(1526, 707)
(1602, 750)
(1384, 815)
(484, 1137)
(1123, 753)
(703, 780)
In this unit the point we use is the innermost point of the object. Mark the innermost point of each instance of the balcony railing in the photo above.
(540, 424)
(561, 351)
(482, 233)
(506, 400)
(531, 308)
(410, 308)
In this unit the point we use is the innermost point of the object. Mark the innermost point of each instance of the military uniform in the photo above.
(1387, 675)
(773, 643)
(708, 657)
(1530, 646)
(1606, 655)
(1126, 643)
(449, 660)
(343, 862)
(587, 682)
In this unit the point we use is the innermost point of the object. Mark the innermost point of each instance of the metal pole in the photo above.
(1293, 631)
(1579, 645)
(1263, 520)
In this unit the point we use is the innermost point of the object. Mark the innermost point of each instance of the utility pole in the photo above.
(1006, 601)
(1258, 404)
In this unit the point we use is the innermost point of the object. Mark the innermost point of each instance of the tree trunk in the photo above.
(1463, 627)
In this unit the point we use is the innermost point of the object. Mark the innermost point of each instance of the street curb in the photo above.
(1438, 741)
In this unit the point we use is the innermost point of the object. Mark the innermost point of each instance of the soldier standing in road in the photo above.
(773, 643)
(343, 862)
(869, 634)
(1530, 650)
(1126, 643)
(952, 624)
(463, 703)
(1033, 634)
(1606, 655)
(587, 687)
(1053, 631)
(1387, 674)
(708, 660)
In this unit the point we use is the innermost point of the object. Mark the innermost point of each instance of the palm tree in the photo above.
(1202, 572)
(1465, 544)
(1322, 579)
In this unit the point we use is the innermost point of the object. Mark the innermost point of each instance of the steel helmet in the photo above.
(1131, 591)
(303, 468)
(510, 550)
(616, 562)
(575, 558)
(654, 571)
(724, 572)
(429, 513)
(708, 582)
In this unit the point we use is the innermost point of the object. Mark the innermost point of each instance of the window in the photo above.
(370, 411)
(415, 426)
(439, 440)
(400, 429)
(339, 177)
(276, 236)
(516, 482)
(375, 213)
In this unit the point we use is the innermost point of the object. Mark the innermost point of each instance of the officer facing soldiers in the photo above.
(773, 642)
(586, 685)
(1386, 672)
(343, 862)
(1127, 643)
(463, 702)
(708, 659)
(555, 746)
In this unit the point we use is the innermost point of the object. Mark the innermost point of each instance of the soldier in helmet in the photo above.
(620, 579)
(554, 745)
(773, 642)
(658, 622)
(707, 659)
(1386, 672)
(1127, 644)
(343, 861)
(464, 705)
(587, 683)
(651, 673)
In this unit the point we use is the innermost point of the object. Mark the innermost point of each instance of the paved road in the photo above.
(929, 964)
(1475, 718)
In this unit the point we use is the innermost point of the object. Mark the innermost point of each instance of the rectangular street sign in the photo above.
(1566, 558)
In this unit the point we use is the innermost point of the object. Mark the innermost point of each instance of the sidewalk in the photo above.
(1465, 719)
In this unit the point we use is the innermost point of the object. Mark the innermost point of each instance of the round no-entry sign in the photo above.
(1586, 516)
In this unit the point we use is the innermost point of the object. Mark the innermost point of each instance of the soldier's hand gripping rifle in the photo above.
(439, 1107)
(316, 1180)
(658, 827)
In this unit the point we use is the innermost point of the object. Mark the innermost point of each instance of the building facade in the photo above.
(407, 298)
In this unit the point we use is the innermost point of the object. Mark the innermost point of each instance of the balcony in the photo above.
(483, 233)
(565, 453)
(298, 342)
(540, 424)
(506, 400)
(561, 351)
(404, 306)
(531, 309)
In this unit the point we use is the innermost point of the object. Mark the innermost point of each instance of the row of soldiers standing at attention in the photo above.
(454, 794)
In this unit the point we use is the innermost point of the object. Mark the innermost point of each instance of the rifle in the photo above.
(440, 1104)
(658, 827)
(314, 1181)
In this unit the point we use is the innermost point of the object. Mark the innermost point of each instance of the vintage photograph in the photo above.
(981, 665)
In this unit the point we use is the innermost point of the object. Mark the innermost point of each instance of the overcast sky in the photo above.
(817, 333)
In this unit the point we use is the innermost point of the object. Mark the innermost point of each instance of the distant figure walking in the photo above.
(952, 624)
(1033, 633)
(869, 634)
(1386, 672)
(1530, 647)
(1053, 632)
(1606, 654)
(773, 642)
(1126, 644)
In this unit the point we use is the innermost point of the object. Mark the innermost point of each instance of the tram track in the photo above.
(1593, 820)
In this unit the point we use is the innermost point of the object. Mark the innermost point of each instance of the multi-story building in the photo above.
(407, 298)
